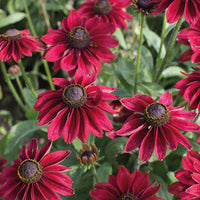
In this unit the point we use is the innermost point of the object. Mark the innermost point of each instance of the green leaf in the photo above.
(2, 14)
(11, 19)
(120, 37)
(173, 71)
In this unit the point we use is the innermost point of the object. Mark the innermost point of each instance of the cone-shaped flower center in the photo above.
(145, 4)
(156, 114)
(29, 171)
(12, 34)
(127, 196)
(102, 7)
(74, 95)
(79, 37)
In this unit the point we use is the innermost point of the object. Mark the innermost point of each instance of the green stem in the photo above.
(29, 18)
(45, 14)
(162, 39)
(21, 89)
(26, 78)
(19, 101)
(169, 48)
(139, 53)
(95, 173)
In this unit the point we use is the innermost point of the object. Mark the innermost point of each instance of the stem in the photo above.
(44, 12)
(19, 101)
(26, 78)
(95, 173)
(162, 38)
(29, 18)
(169, 48)
(21, 89)
(139, 53)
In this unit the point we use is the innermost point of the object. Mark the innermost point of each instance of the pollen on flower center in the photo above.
(74, 95)
(12, 34)
(127, 196)
(79, 37)
(102, 7)
(29, 171)
(156, 114)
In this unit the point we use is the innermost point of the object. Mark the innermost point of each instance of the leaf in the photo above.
(11, 19)
(2, 14)
(120, 37)
(173, 71)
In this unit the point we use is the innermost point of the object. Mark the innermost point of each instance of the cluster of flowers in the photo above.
(78, 107)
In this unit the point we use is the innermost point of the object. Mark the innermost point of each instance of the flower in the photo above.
(75, 109)
(87, 156)
(2, 162)
(154, 124)
(13, 43)
(188, 185)
(190, 37)
(176, 8)
(36, 174)
(133, 186)
(108, 11)
(190, 89)
(80, 44)
(14, 70)
(145, 6)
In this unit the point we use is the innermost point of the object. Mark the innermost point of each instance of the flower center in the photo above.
(74, 95)
(29, 171)
(144, 4)
(79, 37)
(12, 34)
(127, 196)
(102, 7)
(156, 114)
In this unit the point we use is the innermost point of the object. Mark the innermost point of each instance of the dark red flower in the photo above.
(2, 162)
(133, 186)
(188, 185)
(36, 174)
(154, 124)
(176, 8)
(108, 11)
(80, 44)
(190, 37)
(75, 109)
(190, 89)
(13, 43)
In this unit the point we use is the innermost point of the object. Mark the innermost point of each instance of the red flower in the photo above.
(2, 162)
(80, 44)
(75, 109)
(154, 124)
(108, 11)
(176, 8)
(190, 37)
(133, 186)
(13, 43)
(36, 174)
(188, 186)
(190, 89)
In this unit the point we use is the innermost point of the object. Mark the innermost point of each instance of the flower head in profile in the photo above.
(108, 11)
(154, 124)
(125, 186)
(176, 8)
(36, 174)
(188, 185)
(76, 108)
(80, 44)
(190, 37)
(2, 162)
(14, 43)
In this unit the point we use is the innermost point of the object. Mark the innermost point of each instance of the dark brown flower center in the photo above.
(127, 196)
(29, 171)
(145, 4)
(74, 95)
(79, 37)
(12, 34)
(156, 114)
(102, 7)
